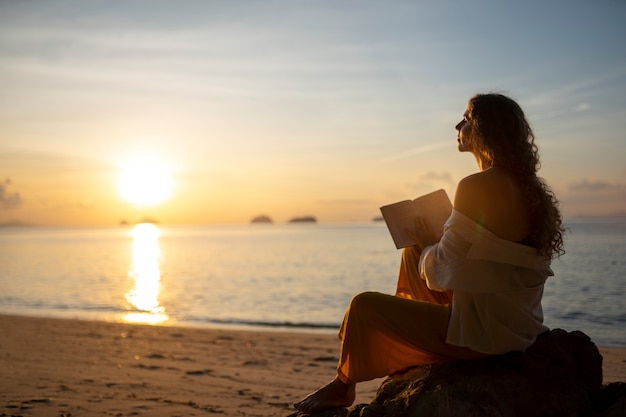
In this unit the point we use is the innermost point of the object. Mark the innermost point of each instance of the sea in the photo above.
(283, 277)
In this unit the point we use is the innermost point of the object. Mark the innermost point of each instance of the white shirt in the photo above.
(497, 284)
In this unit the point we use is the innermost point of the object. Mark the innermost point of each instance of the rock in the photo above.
(612, 400)
(559, 375)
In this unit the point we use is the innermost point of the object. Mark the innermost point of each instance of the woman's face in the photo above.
(465, 136)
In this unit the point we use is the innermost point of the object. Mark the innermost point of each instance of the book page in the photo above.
(435, 207)
(400, 216)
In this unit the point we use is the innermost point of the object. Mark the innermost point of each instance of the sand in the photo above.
(55, 367)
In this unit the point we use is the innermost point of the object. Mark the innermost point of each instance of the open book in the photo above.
(434, 207)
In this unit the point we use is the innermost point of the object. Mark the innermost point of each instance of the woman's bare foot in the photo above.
(332, 395)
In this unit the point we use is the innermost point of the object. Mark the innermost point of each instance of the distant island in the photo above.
(262, 219)
(125, 222)
(303, 219)
(14, 223)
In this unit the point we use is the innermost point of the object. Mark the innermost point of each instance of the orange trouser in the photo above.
(383, 334)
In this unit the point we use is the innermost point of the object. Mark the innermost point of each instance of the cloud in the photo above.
(593, 186)
(416, 151)
(444, 177)
(582, 107)
(598, 197)
(348, 201)
(431, 181)
(8, 200)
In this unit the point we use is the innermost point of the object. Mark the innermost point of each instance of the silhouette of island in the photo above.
(303, 219)
(261, 219)
(148, 220)
(125, 222)
(14, 223)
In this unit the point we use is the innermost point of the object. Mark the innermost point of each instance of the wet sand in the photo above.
(56, 367)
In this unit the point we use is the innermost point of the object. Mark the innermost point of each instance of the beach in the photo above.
(64, 367)
(57, 367)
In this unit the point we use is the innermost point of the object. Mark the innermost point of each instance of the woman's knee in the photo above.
(366, 300)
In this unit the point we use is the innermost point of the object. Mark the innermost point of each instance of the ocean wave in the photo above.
(590, 317)
(258, 323)
(51, 305)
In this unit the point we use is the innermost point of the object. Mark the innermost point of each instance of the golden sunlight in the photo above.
(145, 181)
(146, 273)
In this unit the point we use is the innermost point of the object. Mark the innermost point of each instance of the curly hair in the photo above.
(505, 138)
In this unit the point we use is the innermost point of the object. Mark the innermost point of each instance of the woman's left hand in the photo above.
(422, 234)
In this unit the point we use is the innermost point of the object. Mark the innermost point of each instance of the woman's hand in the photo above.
(422, 234)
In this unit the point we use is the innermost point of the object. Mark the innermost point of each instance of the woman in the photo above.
(476, 292)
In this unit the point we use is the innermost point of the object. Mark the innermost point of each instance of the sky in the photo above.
(291, 108)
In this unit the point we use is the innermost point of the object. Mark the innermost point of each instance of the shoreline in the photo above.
(324, 329)
(54, 366)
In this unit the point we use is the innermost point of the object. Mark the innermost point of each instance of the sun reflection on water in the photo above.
(146, 274)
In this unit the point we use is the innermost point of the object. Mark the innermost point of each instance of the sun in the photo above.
(145, 180)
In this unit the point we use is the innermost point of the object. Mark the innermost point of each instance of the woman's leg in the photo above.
(381, 335)
(335, 394)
